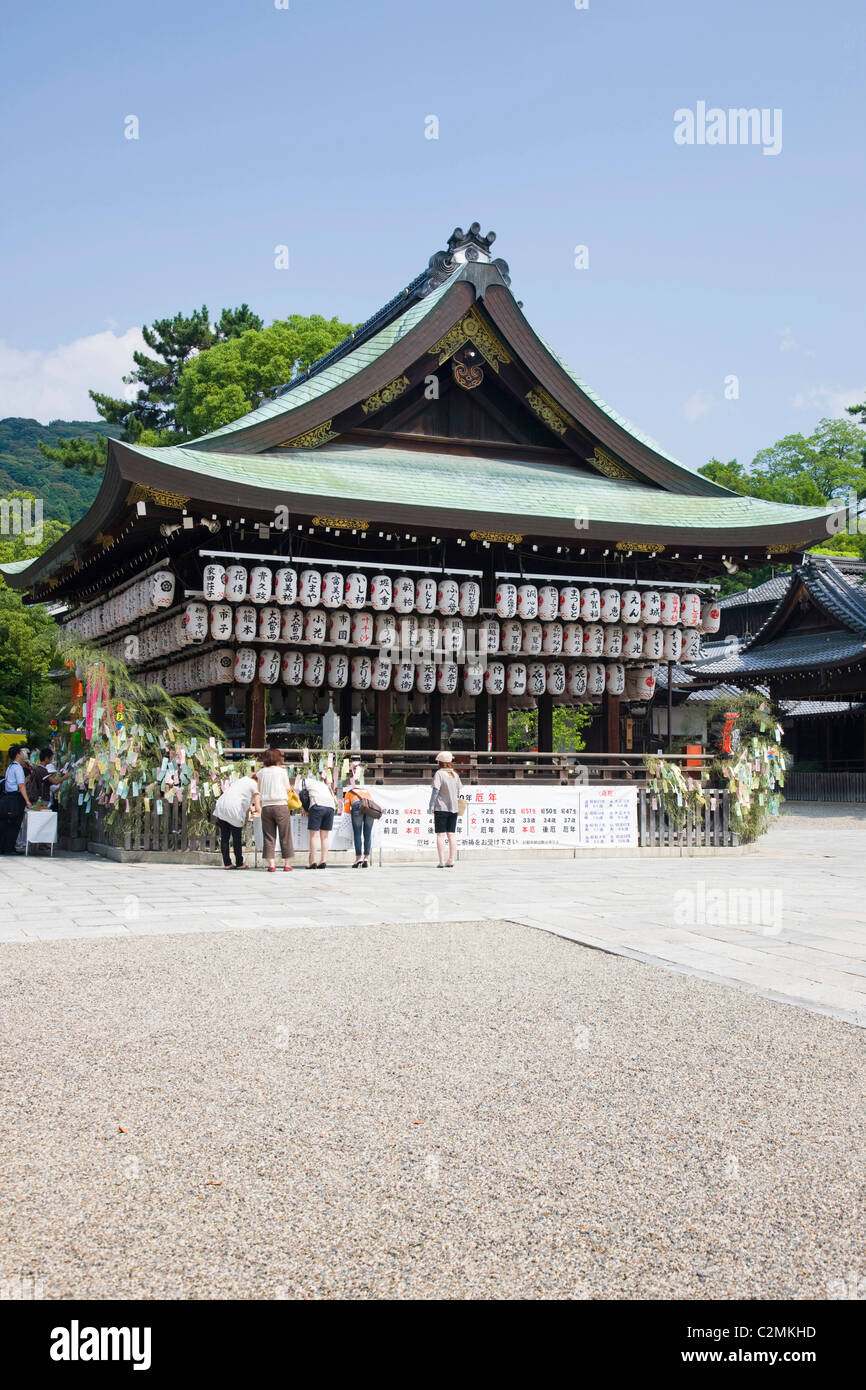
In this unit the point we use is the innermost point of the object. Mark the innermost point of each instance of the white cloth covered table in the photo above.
(40, 828)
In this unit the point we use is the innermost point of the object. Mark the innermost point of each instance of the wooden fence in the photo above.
(826, 786)
(707, 827)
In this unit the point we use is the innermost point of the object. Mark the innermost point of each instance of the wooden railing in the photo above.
(826, 786)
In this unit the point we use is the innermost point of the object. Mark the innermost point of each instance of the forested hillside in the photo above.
(66, 492)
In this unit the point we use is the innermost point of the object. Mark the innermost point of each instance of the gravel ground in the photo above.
(475, 1110)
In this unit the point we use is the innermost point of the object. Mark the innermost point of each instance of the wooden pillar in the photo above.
(500, 723)
(256, 716)
(545, 723)
(383, 719)
(670, 707)
(611, 709)
(434, 720)
(346, 715)
(482, 709)
(218, 706)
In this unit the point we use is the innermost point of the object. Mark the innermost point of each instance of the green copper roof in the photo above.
(361, 473)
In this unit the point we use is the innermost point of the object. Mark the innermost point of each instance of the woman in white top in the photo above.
(230, 813)
(320, 816)
(274, 784)
(444, 804)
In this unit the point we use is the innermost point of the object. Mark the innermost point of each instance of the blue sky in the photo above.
(306, 127)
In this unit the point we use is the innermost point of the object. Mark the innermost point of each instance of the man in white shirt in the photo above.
(230, 813)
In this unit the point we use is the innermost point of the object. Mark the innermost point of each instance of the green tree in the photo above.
(569, 721)
(28, 636)
(221, 385)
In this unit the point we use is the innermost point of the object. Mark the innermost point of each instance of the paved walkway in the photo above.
(786, 921)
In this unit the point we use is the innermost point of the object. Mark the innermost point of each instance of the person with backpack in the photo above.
(354, 796)
(15, 800)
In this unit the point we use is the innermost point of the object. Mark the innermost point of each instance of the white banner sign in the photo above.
(514, 817)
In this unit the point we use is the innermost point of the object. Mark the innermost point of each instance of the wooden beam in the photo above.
(434, 721)
(611, 707)
(256, 723)
(500, 724)
(482, 710)
(545, 723)
(383, 719)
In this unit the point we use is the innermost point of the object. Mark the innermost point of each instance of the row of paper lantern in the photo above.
(448, 597)
(221, 622)
(336, 670)
(143, 597)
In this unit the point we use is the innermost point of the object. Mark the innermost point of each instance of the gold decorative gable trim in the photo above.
(343, 523)
(472, 329)
(387, 394)
(610, 467)
(780, 549)
(547, 410)
(645, 547)
(509, 536)
(312, 438)
(139, 492)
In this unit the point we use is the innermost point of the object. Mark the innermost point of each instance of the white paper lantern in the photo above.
(536, 678)
(222, 665)
(670, 608)
(511, 636)
(452, 634)
(611, 605)
(246, 623)
(362, 672)
(309, 588)
(473, 678)
(381, 592)
(269, 666)
(711, 616)
(613, 640)
(650, 606)
(340, 627)
(548, 602)
(425, 594)
(161, 591)
(315, 625)
(333, 588)
(488, 635)
(315, 668)
(494, 677)
(213, 583)
(270, 623)
(632, 642)
(386, 630)
(527, 601)
(261, 584)
(196, 622)
(515, 678)
(292, 625)
(447, 677)
(572, 639)
(404, 594)
(425, 677)
(590, 605)
(505, 601)
(428, 637)
(614, 678)
(338, 670)
(236, 583)
(292, 668)
(630, 606)
(470, 598)
(593, 639)
(286, 585)
(691, 644)
(362, 630)
(595, 678)
(653, 643)
(404, 676)
(555, 678)
(533, 637)
(356, 590)
(551, 641)
(690, 610)
(380, 678)
(220, 622)
(577, 679)
(640, 683)
(410, 632)
(569, 603)
(673, 643)
(245, 665)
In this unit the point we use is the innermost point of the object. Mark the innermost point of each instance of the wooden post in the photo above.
(500, 723)
(383, 719)
(434, 720)
(545, 723)
(218, 706)
(611, 709)
(482, 707)
(670, 707)
(346, 715)
(256, 716)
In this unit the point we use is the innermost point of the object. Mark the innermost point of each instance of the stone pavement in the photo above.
(786, 921)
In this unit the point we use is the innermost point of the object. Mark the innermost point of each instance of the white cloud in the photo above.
(827, 400)
(53, 385)
(698, 405)
(787, 341)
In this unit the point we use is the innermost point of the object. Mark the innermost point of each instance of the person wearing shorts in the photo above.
(320, 817)
(444, 796)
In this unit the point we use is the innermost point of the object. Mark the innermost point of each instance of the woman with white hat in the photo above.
(444, 804)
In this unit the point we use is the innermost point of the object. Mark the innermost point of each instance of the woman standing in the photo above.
(274, 784)
(444, 797)
(14, 801)
(320, 817)
(362, 826)
(230, 814)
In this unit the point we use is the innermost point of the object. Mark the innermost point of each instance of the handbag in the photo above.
(304, 796)
(370, 808)
(462, 803)
(293, 801)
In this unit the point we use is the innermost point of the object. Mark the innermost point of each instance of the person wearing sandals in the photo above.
(230, 814)
(362, 826)
(320, 817)
(444, 796)
(274, 784)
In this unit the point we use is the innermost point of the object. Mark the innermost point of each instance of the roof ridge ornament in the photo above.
(463, 248)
